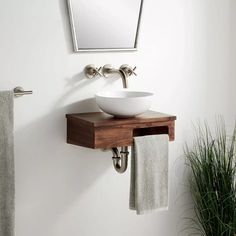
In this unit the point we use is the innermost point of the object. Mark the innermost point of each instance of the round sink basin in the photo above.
(124, 103)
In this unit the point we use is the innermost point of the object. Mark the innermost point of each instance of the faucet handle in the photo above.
(92, 71)
(133, 71)
(128, 70)
(98, 71)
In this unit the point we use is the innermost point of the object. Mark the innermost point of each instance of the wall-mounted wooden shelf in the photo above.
(99, 130)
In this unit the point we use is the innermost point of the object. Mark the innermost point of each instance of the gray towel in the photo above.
(149, 174)
(7, 190)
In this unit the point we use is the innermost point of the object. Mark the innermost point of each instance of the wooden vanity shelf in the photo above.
(99, 130)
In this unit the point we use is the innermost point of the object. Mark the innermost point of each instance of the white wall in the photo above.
(187, 54)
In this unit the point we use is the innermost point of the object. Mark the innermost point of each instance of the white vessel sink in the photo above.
(124, 103)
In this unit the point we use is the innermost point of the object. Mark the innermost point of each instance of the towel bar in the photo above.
(19, 91)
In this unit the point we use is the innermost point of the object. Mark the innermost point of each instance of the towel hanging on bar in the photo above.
(7, 183)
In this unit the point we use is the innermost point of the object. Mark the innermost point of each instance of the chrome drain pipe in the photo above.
(120, 159)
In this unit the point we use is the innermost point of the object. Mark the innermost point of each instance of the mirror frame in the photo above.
(74, 39)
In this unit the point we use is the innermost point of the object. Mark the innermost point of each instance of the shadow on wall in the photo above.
(51, 174)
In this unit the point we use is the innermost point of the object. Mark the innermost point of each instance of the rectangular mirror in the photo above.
(105, 25)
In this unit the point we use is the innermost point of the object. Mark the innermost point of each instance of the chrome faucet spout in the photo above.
(124, 78)
(124, 71)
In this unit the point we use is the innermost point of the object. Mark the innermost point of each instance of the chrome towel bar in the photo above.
(19, 91)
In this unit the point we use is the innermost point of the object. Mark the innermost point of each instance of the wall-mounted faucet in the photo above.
(124, 71)
(91, 71)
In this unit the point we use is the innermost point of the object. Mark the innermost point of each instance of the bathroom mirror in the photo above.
(105, 25)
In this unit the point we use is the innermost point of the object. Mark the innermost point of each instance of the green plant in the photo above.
(212, 182)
